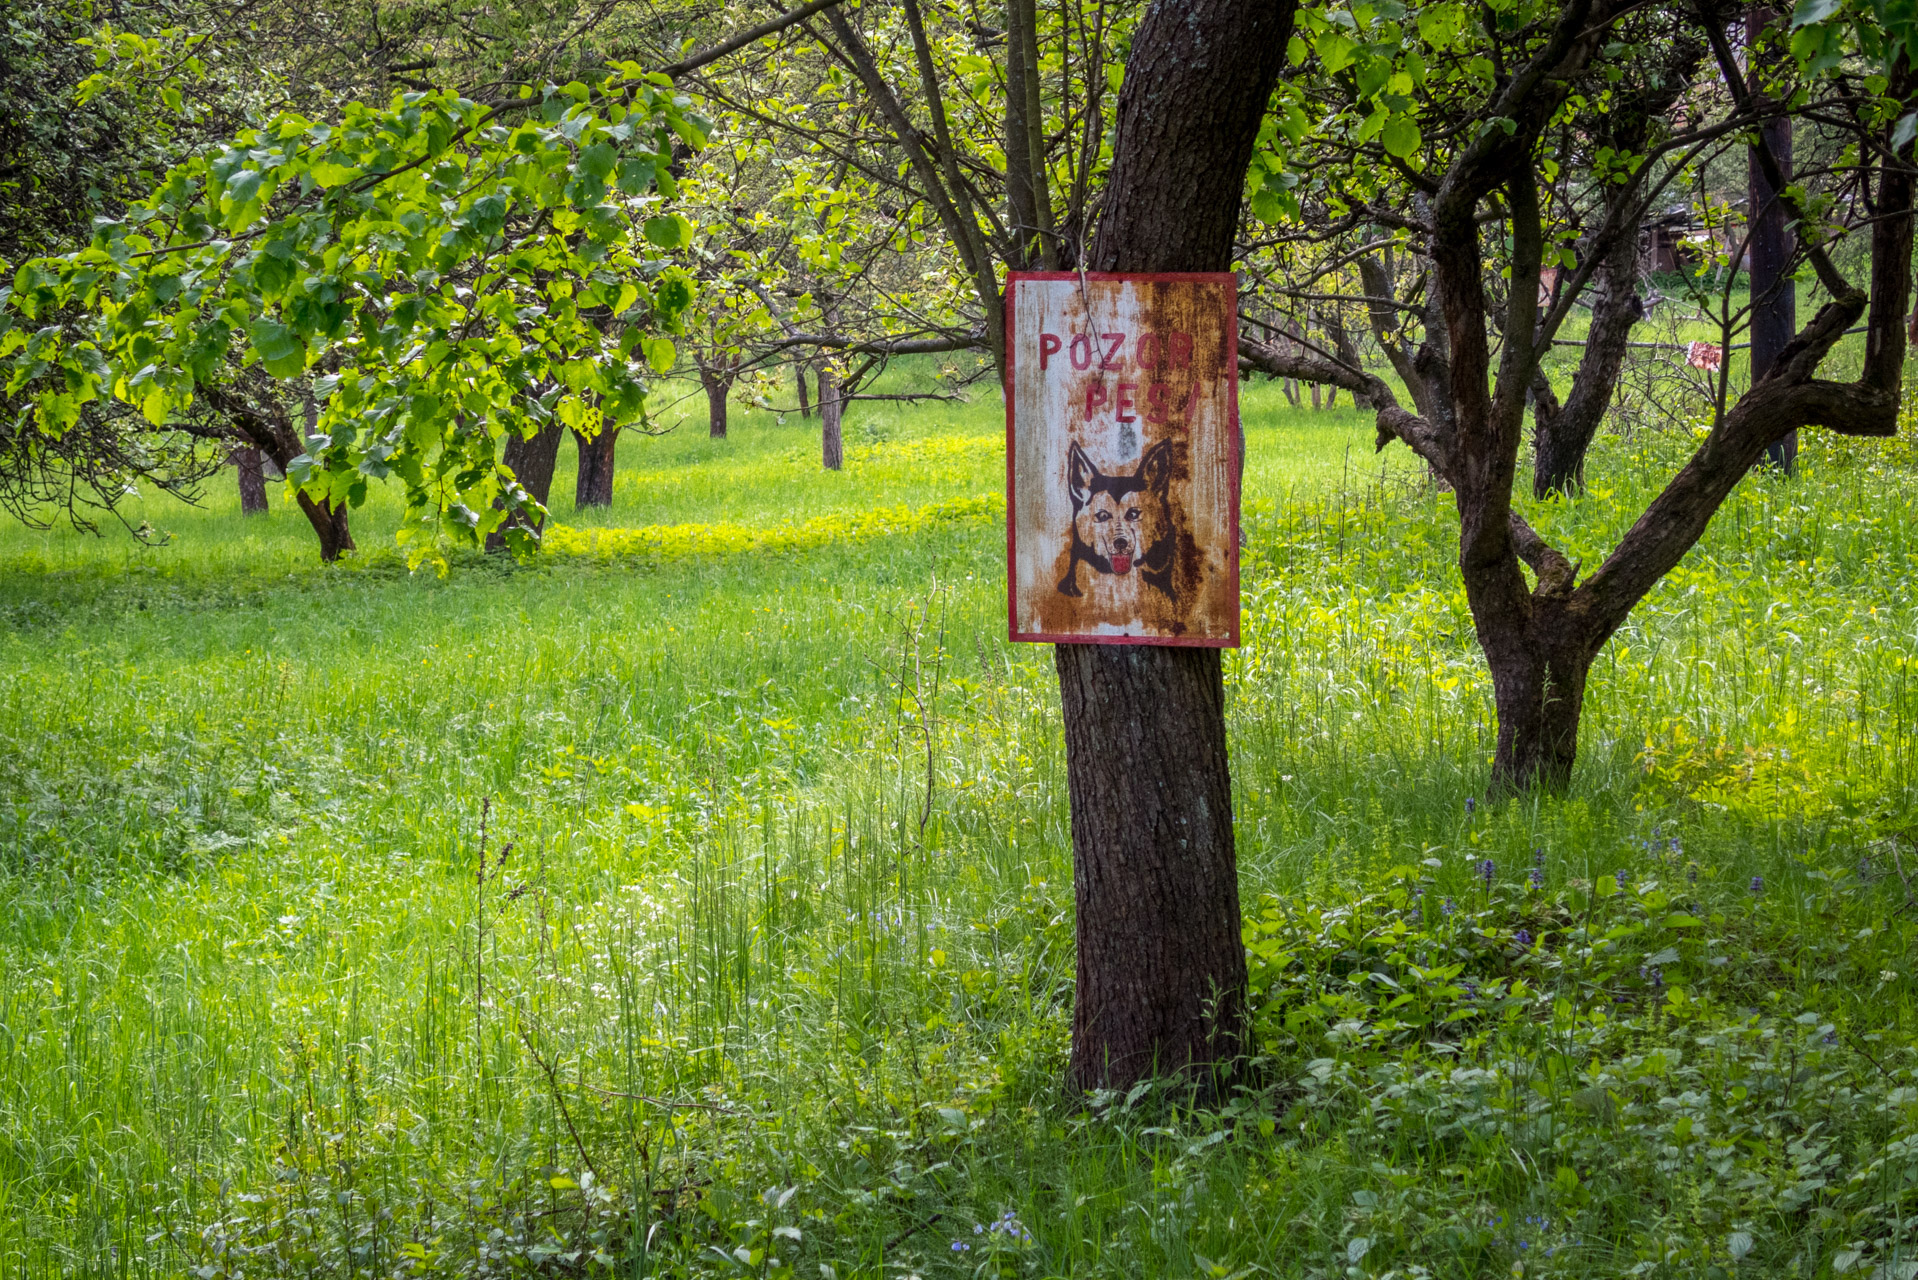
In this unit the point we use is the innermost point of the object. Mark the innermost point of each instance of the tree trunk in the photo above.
(1562, 435)
(1028, 200)
(832, 452)
(799, 375)
(719, 384)
(1538, 668)
(596, 455)
(1774, 298)
(329, 520)
(252, 472)
(1388, 328)
(1161, 972)
(532, 462)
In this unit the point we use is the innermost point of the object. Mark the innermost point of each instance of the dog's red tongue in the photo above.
(1122, 564)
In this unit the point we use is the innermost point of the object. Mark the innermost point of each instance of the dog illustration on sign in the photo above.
(1122, 521)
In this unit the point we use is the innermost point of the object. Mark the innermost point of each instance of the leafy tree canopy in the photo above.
(452, 270)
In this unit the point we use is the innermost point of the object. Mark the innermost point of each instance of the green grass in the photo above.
(782, 953)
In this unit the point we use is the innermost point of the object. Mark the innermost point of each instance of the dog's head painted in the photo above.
(1121, 521)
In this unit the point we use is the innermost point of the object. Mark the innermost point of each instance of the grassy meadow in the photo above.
(695, 899)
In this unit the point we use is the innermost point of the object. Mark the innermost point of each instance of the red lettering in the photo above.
(1111, 360)
(1127, 403)
(1148, 352)
(1179, 349)
(1081, 351)
(1096, 398)
(1155, 399)
(1049, 345)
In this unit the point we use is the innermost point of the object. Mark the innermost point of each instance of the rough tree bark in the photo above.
(596, 456)
(832, 449)
(1774, 297)
(1028, 198)
(1161, 965)
(252, 473)
(532, 461)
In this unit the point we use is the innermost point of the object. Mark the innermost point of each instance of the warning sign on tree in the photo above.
(1122, 458)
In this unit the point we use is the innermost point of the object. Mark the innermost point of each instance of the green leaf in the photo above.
(636, 175)
(668, 231)
(283, 354)
(597, 161)
(1336, 51)
(1440, 24)
(660, 354)
(1807, 12)
(1400, 136)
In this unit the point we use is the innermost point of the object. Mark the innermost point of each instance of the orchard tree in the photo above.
(1493, 142)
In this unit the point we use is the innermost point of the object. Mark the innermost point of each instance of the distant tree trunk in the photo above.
(1161, 972)
(1028, 200)
(262, 418)
(832, 453)
(329, 519)
(799, 376)
(532, 461)
(596, 455)
(1563, 434)
(1774, 297)
(252, 473)
(717, 377)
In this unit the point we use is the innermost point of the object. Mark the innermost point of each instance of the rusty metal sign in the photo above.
(1122, 458)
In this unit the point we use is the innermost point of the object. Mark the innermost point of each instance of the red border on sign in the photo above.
(1235, 434)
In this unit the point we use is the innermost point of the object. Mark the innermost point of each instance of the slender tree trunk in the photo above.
(799, 376)
(329, 519)
(1161, 973)
(832, 451)
(1562, 435)
(533, 462)
(1774, 298)
(717, 380)
(252, 472)
(1388, 329)
(596, 456)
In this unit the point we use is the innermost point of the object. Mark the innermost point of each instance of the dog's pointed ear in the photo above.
(1155, 468)
(1079, 473)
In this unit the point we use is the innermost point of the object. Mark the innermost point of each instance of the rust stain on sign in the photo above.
(1122, 458)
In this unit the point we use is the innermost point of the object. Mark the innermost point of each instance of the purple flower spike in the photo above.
(1538, 878)
(1623, 877)
(1486, 870)
(1758, 885)
(1524, 938)
(1471, 805)
(1447, 908)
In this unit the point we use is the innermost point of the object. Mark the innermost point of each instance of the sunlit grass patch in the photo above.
(780, 962)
